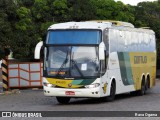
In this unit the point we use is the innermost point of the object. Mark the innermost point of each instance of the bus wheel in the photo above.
(147, 83)
(112, 92)
(143, 88)
(63, 100)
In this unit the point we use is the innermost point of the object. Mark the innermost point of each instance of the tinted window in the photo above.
(73, 37)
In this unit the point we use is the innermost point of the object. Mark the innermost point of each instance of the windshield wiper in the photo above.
(64, 63)
(75, 65)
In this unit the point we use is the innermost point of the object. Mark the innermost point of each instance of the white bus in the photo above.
(97, 59)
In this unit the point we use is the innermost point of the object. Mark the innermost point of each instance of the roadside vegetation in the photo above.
(23, 23)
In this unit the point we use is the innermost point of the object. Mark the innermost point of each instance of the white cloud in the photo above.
(133, 2)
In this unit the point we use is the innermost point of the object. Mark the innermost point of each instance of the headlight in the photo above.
(48, 84)
(92, 85)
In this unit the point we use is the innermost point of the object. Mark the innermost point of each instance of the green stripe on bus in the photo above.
(125, 68)
(128, 68)
(76, 82)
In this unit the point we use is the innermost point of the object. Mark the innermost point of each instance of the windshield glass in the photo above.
(72, 61)
(73, 37)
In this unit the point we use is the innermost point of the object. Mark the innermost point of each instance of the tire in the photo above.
(112, 92)
(142, 91)
(63, 100)
(147, 83)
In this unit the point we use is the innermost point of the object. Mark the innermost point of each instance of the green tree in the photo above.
(42, 14)
(7, 18)
(111, 10)
(81, 10)
(123, 12)
(104, 9)
(147, 14)
(25, 22)
(60, 10)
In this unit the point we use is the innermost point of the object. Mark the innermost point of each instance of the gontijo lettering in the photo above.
(140, 59)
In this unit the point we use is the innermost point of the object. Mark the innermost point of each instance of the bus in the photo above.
(97, 59)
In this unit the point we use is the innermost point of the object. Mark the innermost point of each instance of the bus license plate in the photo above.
(70, 93)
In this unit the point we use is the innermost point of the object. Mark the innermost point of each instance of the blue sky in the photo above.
(133, 2)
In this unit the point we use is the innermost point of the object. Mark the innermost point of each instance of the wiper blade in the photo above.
(64, 63)
(74, 63)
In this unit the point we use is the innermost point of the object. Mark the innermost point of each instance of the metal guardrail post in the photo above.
(5, 73)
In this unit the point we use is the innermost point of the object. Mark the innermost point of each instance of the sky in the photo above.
(133, 2)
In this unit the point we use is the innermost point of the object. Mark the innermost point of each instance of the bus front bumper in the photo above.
(64, 92)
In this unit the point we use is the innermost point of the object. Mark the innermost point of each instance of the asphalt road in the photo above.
(34, 100)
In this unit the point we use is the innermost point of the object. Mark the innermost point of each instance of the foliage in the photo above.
(25, 22)
(147, 14)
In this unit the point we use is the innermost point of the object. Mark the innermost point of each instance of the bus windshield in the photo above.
(73, 37)
(72, 61)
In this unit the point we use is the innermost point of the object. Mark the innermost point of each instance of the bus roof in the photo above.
(81, 25)
(101, 25)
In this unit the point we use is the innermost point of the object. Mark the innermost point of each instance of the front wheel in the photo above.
(63, 100)
(112, 92)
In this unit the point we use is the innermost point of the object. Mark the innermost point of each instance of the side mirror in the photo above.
(101, 51)
(37, 50)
